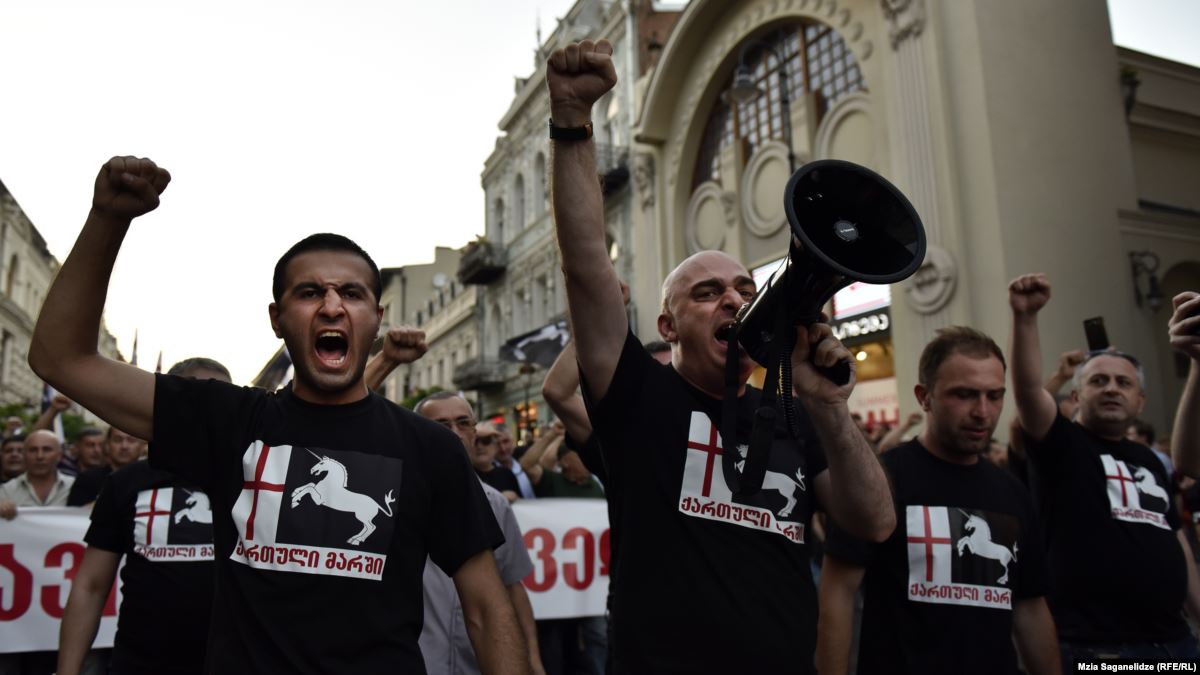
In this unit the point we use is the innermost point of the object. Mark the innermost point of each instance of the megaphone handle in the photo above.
(838, 374)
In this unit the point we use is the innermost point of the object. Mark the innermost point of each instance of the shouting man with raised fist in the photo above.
(325, 498)
(713, 579)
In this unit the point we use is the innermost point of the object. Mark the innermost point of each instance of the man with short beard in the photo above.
(326, 498)
(987, 542)
(1107, 504)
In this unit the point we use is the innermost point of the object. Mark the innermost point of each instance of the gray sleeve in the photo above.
(511, 558)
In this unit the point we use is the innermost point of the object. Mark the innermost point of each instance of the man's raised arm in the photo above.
(63, 350)
(1027, 295)
(1184, 330)
(577, 75)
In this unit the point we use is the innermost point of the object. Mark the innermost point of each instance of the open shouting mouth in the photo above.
(331, 347)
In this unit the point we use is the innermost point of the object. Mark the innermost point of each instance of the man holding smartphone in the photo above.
(1106, 502)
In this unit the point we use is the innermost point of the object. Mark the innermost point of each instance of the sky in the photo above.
(277, 119)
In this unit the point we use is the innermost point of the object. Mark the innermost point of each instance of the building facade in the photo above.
(515, 264)
(26, 269)
(1011, 127)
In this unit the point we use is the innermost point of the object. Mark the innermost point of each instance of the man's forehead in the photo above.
(1110, 365)
(706, 265)
(327, 267)
(961, 369)
(452, 407)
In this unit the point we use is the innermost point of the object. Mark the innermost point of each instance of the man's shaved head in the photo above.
(679, 278)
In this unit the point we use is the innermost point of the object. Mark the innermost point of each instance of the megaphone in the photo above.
(848, 224)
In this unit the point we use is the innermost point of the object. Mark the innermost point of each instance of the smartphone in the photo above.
(1097, 337)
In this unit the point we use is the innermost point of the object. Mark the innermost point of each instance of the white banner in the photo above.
(568, 541)
(42, 548)
(40, 552)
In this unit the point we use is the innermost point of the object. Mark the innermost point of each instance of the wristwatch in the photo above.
(570, 133)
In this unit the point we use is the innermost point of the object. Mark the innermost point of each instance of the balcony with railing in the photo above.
(482, 263)
(480, 373)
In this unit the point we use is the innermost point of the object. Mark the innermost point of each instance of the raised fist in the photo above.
(127, 187)
(60, 403)
(577, 75)
(1029, 293)
(1184, 326)
(404, 344)
(1069, 361)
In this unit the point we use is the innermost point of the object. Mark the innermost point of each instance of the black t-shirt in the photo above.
(500, 478)
(164, 529)
(1117, 569)
(938, 593)
(323, 517)
(86, 487)
(709, 583)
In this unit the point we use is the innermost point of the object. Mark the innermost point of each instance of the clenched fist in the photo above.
(1029, 293)
(404, 344)
(577, 75)
(1184, 326)
(128, 187)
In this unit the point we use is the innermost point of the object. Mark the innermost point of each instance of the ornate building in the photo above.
(516, 263)
(1017, 130)
(26, 269)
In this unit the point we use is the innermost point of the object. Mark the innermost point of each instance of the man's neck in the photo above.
(352, 394)
(1108, 431)
(713, 389)
(42, 485)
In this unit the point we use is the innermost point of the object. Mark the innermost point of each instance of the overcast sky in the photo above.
(280, 119)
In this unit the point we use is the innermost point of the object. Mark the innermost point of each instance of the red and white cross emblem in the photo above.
(150, 514)
(1122, 478)
(926, 538)
(256, 486)
(714, 454)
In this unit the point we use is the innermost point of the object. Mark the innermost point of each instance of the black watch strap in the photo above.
(570, 133)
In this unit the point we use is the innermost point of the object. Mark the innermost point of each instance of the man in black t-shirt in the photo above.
(1106, 502)
(326, 498)
(712, 579)
(963, 576)
(163, 528)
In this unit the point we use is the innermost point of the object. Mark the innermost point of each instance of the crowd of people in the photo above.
(323, 529)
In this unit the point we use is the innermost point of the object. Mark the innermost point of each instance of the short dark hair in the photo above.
(657, 346)
(195, 363)
(87, 431)
(955, 340)
(19, 438)
(324, 241)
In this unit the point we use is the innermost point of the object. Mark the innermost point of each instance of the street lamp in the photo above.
(1146, 262)
(745, 90)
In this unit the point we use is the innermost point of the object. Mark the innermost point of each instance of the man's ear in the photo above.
(273, 311)
(666, 328)
(922, 395)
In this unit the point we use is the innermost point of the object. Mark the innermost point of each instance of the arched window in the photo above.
(498, 220)
(519, 202)
(539, 184)
(818, 64)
